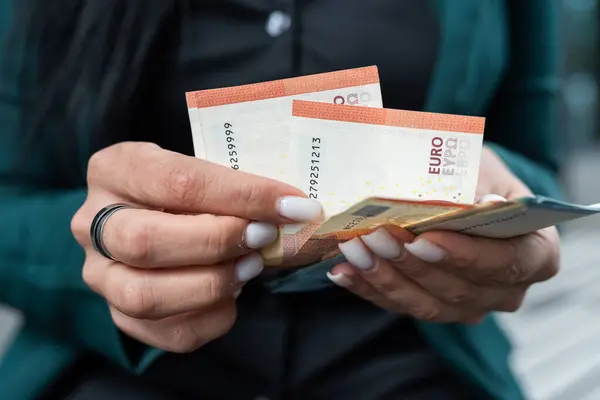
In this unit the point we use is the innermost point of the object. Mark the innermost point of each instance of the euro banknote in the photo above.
(369, 167)
(247, 127)
(493, 220)
(341, 155)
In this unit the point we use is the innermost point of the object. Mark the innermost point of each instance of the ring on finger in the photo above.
(97, 227)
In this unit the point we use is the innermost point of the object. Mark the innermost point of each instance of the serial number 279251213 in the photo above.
(315, 160)
(230, 142)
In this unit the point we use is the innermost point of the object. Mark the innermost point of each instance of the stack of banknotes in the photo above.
(329, 135)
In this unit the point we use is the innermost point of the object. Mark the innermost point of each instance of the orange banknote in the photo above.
(341, 155)
(318, 243)
(247, 127)
(499, 220)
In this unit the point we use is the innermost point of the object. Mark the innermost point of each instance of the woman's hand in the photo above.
(446, 276)
(187, 248)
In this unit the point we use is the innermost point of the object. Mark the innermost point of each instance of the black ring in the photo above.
(97, 227)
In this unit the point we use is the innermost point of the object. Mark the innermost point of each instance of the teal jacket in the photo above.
(496, 58)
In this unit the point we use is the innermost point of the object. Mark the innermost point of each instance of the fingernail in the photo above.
(357, 254)
(426, 251)
(237, 293)
(260, 234)
(492, 198)
(248, 267)
(382, 243)
(300, 209)
(341, 280)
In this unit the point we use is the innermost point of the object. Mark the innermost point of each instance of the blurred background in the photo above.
(557, 332)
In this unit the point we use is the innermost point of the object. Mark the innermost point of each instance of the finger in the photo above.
(164, 179)
(495, 177)
(157, 294)
(153, 239)
(358, 286)
(389, 282)
(346, 276)
(443, 285)
(490, 198)
(390, 290)
(388, 242)
(458, 291)
(182, 333)
(524, 259)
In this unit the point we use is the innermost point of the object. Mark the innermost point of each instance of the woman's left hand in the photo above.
(446, 276)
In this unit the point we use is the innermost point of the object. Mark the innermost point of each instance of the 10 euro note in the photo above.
(247, 127)
(342, 155)
(500, 220)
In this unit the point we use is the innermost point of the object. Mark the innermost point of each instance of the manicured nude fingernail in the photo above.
(491, 198)
(357, 254)
(260, 234)
(237, 293)
(248, 267)
(383, 244)
(300, 209)
(426, 251)
(341, 280)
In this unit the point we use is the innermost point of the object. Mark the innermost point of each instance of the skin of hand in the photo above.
(449, 277)
(187, 248)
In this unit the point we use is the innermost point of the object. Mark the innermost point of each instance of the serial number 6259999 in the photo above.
(230, 140)
(315, 159)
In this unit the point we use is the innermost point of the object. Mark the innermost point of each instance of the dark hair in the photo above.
(89, 56)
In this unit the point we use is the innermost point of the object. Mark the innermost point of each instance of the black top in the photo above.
(277, 347)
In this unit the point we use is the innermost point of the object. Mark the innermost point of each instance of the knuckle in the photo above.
(509, 271)
(90, 277)
(509, 274)
(132, 298)
(142, 146)
(390, 286)
(184, 340)
(131, 149)
(386, 287)
(100, 162)
(415, 270)
(458, 295)
(465, 260)
(551, 266)
(213, 287)
(252, 196)
(186, 186)
(135, 239)
(80, 227)
(465, 255)
(131, 327)
(549, 270)
(512, 252)
(547, 262)
(187, 338)
(220, 240)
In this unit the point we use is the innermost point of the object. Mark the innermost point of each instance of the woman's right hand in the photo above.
(187, 248)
